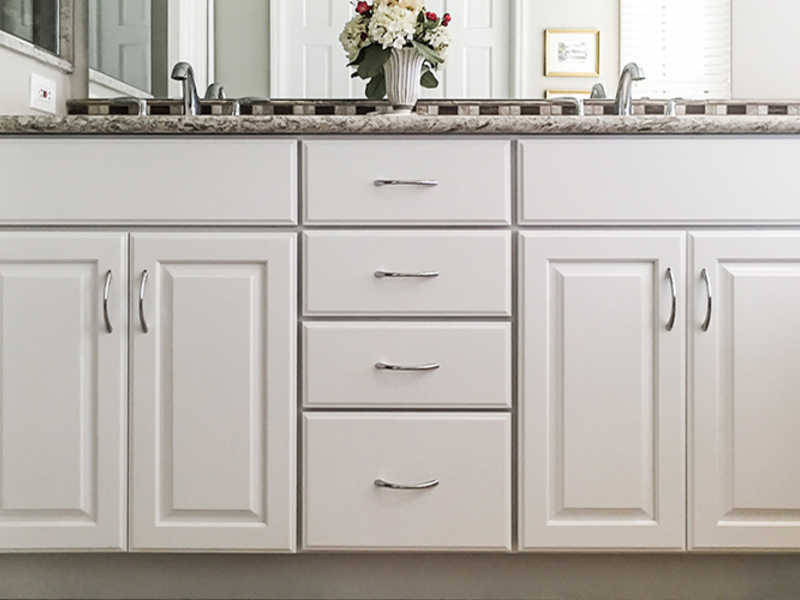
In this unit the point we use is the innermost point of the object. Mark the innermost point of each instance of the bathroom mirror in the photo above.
(39, 22)
(290, 49)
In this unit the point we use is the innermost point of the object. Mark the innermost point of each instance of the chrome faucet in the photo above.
(630, 73)
(598, 91)
(215, 91)
(569, 100)
(183, 72)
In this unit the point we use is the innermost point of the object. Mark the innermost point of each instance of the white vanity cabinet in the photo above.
(745, 389)
(63, 395)
(213, 328)
(602, 363)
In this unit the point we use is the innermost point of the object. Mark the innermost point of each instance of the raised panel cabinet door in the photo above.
(744, 392)
(602, 390)
(213, 328)
(63, 391)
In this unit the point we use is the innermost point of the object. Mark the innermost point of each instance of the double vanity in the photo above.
(354, 333)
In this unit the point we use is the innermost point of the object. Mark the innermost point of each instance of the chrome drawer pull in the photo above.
(672, 287)
(707, 322)
(420, 275)
(109, 328)
(145, 328)
(419, 182)
(384, 367)
(414, 486)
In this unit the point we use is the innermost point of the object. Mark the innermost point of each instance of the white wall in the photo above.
(570, 14)
(765, 60)
(15, 77)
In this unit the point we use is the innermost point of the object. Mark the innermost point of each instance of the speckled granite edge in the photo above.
(398, 125)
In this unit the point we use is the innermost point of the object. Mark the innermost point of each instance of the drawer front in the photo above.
(473, 181)
(444, 365)
(469, 509)
(138, 180)
(664, 179)
(472, 273)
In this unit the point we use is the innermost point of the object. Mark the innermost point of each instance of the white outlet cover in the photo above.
(43, 94)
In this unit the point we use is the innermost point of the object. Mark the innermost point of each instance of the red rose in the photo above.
(363, 36)
(363, 8)
(431, 16)
(446, 19)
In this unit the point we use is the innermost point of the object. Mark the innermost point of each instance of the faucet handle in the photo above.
(215, 91)
(598, 91)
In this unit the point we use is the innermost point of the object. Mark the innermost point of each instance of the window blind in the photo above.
(684, 46)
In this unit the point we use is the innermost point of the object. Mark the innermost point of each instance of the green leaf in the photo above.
(427, 53)
(359, 59)
(376, 88)
(374, 59)
(428, 80)
(421, 17)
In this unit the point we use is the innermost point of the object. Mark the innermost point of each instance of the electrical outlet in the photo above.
(43, 94)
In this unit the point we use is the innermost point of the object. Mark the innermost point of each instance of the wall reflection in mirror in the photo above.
(290, 48)
(35, 21)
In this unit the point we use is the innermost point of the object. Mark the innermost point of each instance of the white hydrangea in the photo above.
(392, 26)
(439, 39)
(413, 5)
(353, 37)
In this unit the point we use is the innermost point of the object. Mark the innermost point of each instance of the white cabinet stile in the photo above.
(63, 391)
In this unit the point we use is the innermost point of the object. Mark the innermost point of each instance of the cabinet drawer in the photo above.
(470, 508)
(468, 273)
(473, 181)
(457, 364)
(137, 180)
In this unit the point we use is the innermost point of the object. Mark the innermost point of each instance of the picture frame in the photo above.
(582, 94)
(572, 52)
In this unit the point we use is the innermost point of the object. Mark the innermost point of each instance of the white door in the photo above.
(213, 391)
(63, 391)
(744, 390)
(308, 61)
(120, 42)
(602, 378)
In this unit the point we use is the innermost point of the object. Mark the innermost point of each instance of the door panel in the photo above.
(63, 381)
(602, 397)
(745, 450)
(214, 392)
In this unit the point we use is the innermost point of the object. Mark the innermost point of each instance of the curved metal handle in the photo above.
(418, 182)
(109, 328)
(673, 289)
(394, 274)
(414, 486)
(142, 320)
(707, 322)
(384, 367)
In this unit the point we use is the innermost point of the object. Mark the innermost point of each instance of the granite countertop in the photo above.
(398, 125)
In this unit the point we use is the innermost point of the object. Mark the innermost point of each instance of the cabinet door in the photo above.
(213, 391)
(745, 390)
(602, 391)
(63, 391)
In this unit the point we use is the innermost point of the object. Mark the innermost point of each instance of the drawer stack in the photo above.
(406, 346)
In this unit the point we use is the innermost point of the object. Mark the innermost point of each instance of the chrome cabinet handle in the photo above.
(707, 322)
(109, 328)
(414, 486)
(394, 274)
(673, 289)
(418, 182)
(384, 367)
(143, 321)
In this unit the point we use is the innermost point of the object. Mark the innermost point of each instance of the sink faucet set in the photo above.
(622, 103)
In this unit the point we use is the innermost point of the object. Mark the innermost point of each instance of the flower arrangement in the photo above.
(369, 37)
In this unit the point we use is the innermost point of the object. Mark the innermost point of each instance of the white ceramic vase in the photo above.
(403, 71)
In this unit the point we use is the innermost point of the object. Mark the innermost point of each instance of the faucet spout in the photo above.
(630, 73)
(182, 71)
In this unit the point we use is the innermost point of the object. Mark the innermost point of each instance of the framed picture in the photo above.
(583, 94)
(572, 52)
